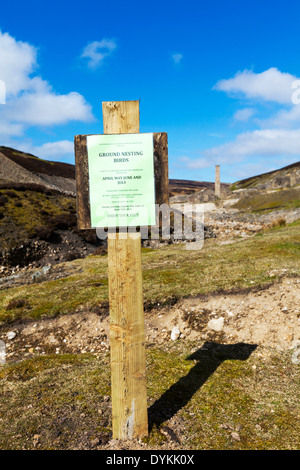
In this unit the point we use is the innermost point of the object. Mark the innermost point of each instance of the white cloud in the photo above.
(267, 144)
(51, 150)
(177, 58)
(96, 51)
(284, 118)
(274, 144)
(270, 85)
(195, 163)
(62, 150)
(48, 108)
(9, 129)
(31, 100)
(244, 114)
(17, 62)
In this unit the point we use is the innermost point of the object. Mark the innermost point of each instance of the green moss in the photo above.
(31, 368)
(290, 247)
(146, 250)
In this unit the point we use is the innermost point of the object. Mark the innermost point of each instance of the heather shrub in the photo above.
(280, 222)
(3, 200)
(42, 232)
(17, 303)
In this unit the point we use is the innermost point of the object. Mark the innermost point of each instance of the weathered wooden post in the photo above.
(127, 330)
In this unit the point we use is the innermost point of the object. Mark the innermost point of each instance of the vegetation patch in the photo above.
(209, 397)
(268, 201)
(31, 214)
(16, 303)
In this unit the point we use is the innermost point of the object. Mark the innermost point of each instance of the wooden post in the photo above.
(127, 329)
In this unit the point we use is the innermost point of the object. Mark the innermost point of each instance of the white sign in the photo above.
(121, 180)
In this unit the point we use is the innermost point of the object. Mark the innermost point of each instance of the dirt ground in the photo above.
(268, 318)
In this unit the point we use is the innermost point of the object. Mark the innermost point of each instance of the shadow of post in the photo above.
(208, 358)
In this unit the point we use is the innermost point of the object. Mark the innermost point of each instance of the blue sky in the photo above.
(218, 77)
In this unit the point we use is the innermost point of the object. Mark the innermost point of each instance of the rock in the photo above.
(2, 352)
(36, 440)
(235, 436)
(296, 356)
(95, 442)
(36, 276)
(46, 269)
(216, 324)
(175, 333)
(11, 335)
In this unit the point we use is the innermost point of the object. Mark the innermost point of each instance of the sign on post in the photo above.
(119, 177)
(161, 175)
(121, 180)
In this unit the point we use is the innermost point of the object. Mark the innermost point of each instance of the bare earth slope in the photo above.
(56, 175)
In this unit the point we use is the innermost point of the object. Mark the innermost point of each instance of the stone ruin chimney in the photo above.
(217, 181)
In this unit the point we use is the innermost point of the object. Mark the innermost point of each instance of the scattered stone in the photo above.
(38, 275)
(2, 353)
(216, 324)
(235, 436)
(36, 440)
(11, 335)
(46, 269)
(95, 442)
(175, 333)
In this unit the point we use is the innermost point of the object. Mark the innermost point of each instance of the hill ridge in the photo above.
(20, 167)
(17, 166)
(286, 176)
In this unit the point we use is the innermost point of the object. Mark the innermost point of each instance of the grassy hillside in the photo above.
(288, 198)
(29, 211)
(259, 180)
(169, 274)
